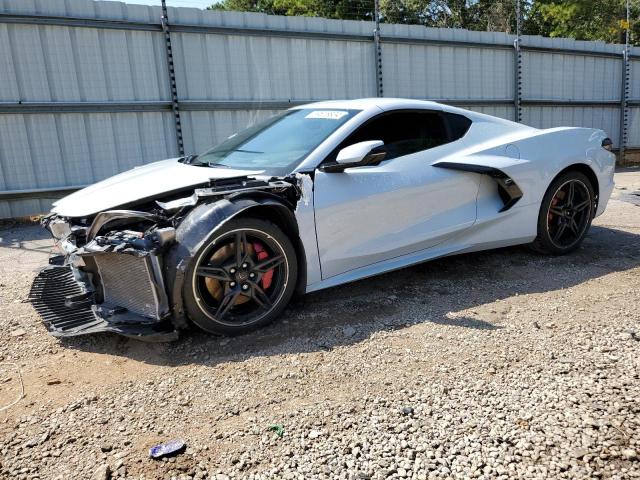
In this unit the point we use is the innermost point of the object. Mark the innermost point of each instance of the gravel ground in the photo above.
(501, 364)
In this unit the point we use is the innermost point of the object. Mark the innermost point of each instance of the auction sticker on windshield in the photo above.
(327, 114)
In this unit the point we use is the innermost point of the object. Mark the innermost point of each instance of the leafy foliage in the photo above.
(582, 19)
(579, 19)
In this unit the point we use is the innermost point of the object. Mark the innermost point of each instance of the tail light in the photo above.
(607, 144)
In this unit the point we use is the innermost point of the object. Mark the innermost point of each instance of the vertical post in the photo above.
(517, 67)
(625, 92)
(172, 78)
(377, 48)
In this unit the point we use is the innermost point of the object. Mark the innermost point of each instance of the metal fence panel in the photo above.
(438, 63)
(605, 118)
(235, 67)
(634, 127)
(635, 78)
(100, 101)
(558, 76)
(447, 72)
(75, 149)
(53, 63)
(205, 129)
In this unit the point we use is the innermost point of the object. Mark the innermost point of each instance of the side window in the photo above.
(403, 133)
(458, 125)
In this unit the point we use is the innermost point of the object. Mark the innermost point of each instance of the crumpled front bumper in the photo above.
(113, 283)
(68, 311)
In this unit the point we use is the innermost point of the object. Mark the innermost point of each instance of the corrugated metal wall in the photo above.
(233, 69)
(634, 114)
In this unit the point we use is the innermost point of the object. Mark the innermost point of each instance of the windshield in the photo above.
(278, 144)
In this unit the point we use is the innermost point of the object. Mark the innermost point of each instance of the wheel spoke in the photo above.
(260, 296)
(570, 194)
(581, 206)
(559, 232)
(269, 264)
(556, 211)
(226, 303)
(213, 272)
(573, 226)
(242, 247)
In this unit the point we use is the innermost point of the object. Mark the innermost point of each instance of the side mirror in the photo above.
(357, 152)
(356, 155)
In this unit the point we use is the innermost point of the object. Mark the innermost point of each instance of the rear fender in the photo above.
(556, 149)
(534, 161)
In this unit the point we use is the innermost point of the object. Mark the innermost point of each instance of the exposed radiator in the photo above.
(131, 282)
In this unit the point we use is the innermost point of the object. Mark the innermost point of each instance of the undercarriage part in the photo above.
(54, 295)
(508, 190)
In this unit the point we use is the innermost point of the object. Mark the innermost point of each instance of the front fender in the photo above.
(194, 230)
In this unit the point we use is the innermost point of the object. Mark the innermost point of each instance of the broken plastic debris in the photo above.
(277, 428)
(306, 187)
(169, 448)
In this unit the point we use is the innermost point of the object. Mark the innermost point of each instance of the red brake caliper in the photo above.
(261, 253)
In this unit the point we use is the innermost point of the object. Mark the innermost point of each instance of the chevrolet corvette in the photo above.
(318, 196)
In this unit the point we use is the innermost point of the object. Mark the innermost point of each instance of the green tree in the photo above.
(579, 19)
(337, 9)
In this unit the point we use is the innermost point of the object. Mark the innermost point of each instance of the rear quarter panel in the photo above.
(543, 155)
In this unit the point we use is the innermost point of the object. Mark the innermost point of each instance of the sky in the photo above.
(174, 3)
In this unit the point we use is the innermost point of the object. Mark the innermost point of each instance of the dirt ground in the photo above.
(500, 364)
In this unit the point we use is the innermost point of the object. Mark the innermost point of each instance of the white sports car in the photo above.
(320, 195)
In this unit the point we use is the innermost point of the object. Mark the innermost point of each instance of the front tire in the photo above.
(242, 278)
(565, 214)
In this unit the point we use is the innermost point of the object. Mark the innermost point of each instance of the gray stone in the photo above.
(103, 472)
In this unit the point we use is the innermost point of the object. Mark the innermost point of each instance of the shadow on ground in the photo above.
(12, 236)
(423, 293)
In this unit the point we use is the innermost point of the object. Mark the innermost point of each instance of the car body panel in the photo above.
(146, 182)
(369, 214)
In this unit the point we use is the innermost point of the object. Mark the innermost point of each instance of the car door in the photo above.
(369, 214)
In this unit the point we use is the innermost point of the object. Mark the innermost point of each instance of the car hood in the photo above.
(141, 183)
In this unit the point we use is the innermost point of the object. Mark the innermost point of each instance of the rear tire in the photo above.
(565, 214)
(242, 278)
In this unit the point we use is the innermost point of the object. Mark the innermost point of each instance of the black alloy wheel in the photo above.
(242, 278)
(565, 214)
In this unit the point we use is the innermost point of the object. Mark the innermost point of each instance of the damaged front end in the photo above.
(108, 282)
(118, 270)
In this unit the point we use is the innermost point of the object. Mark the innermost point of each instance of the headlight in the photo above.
(59, 229)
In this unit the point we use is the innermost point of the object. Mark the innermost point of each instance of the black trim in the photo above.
(371, 159)
(508, 189)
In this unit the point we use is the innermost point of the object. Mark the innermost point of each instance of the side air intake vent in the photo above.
(508, 190)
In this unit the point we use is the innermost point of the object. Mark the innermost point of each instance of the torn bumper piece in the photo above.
(113, 283)
(68, 311)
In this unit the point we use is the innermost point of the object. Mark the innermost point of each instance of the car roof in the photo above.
(375, 103)
(388, 104)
